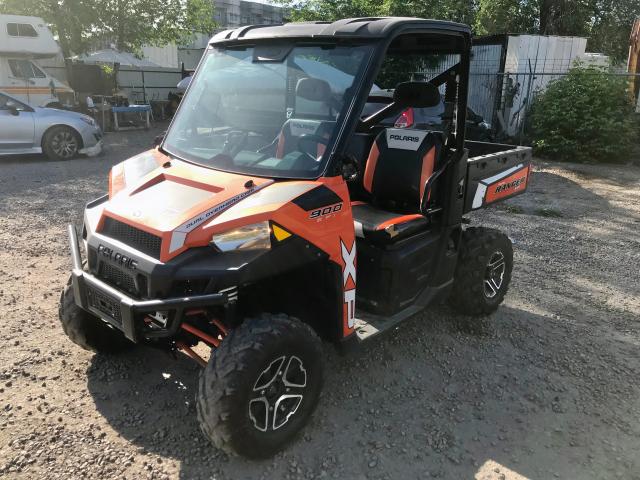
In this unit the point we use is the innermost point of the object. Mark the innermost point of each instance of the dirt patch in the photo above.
(545, 388)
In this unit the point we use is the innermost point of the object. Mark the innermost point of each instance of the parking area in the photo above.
(545, 388)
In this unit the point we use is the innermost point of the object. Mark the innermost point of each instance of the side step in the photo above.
(368, 325)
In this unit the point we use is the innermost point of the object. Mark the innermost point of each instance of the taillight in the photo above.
(405, 120)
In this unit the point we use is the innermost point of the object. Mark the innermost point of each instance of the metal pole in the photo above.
(144, 91)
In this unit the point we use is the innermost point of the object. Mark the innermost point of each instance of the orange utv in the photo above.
(275, 214)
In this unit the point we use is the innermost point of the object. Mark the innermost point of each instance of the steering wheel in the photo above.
(307, 138)
(350, 168)
(235, 142)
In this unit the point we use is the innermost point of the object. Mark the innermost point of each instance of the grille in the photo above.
(117, 278)
(140, 240)
(105, 304)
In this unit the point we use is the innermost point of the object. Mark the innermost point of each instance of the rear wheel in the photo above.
(483, 272)
(260, 386)
(86, 330)
(61, 143)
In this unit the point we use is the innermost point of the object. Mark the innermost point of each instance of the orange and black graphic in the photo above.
(503, 185)
(349, 284)
(508, 186)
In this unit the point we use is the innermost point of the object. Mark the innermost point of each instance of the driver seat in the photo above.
(399, 164)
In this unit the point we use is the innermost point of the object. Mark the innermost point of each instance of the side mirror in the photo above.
(12, 107)
(416, 95)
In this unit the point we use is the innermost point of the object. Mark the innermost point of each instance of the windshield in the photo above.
(266, 110)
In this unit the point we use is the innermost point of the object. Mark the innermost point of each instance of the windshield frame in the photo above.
(343, 121)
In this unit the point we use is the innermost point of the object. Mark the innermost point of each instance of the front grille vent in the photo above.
(117, 278)
(104, 304)
(134, 237)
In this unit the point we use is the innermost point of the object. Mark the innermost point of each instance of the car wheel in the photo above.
(61, 143)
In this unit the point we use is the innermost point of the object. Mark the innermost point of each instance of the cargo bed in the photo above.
(496, 172)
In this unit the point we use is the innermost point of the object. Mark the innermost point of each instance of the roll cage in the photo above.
(388, 35)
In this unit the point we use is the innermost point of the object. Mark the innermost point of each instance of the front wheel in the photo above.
(260, 386)
(86, 330)
(61, 143)
(483, 272)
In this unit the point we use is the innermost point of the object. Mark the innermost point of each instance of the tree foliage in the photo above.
(586, 115)
(607, 23)
(129, 24)
(505, 16)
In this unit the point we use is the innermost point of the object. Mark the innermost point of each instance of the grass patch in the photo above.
(513, 209)
(548, 212)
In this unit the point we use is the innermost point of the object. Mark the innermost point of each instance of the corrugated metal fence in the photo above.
(145, 84)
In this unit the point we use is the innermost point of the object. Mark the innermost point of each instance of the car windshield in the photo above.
(269, 110)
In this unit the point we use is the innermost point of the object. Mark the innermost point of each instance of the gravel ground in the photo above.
(545, 388)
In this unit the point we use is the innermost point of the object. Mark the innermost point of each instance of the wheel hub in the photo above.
(277, 393)
(494, 274)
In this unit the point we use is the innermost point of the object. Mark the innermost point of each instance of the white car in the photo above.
(60, 134)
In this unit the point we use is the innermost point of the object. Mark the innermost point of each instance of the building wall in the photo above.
(166, 56)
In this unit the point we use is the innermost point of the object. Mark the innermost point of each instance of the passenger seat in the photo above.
(399, 164)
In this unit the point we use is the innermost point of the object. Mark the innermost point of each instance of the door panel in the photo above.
(16, 131)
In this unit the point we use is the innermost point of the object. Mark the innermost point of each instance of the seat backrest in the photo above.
(399, 164)
(294, 128)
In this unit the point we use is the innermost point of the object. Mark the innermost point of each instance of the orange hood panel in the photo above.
(171, 201)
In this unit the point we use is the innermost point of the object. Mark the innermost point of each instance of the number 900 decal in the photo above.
(321, 212)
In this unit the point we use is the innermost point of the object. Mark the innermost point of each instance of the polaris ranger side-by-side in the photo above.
(274, 214)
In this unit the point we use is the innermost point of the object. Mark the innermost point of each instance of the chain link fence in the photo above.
(503, 96)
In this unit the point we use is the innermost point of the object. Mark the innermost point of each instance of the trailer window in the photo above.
(25, 69)
(21, 30)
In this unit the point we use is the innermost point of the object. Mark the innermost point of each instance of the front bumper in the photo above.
(92, 151)
(122, 311)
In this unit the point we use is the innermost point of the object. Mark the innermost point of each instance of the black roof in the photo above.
(365, 28)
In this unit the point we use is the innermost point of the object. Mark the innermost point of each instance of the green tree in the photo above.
(586, 115)
(129, 24)
(607, 23)
(506, 16)
(564, 17)
(611, 27)
(458, 10)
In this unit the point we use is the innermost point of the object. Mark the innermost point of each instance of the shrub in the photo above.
(585, 116)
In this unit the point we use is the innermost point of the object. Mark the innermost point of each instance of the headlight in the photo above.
(89, 120)
(256, 236)
(486, 125)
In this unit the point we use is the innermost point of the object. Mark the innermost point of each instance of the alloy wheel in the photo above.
(277, 393)
(494, 274)
(64, 144)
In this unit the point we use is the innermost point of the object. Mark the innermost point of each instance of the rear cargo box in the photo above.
(496, 172)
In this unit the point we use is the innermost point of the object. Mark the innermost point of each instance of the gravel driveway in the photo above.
(546, 388)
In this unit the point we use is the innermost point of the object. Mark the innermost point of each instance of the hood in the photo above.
(170, 198)
(54, 112)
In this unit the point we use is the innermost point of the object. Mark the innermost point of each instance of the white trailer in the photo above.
(24, 40)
